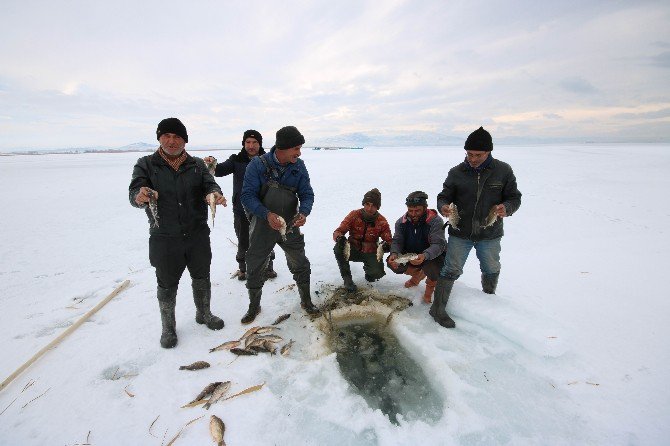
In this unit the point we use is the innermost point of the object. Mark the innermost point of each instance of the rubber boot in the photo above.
(349, 284)
(306, 299)
(202, 297)
(270, 273)
(490, 282)
(254, 305)
(430, 287)
(439, 308)
(417, 276)
(167, 299)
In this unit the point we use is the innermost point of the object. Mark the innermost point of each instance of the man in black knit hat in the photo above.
(173, 188)
(252, 146)
(476, 196)
(277, 195)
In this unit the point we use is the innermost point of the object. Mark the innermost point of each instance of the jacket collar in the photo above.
(426, 218)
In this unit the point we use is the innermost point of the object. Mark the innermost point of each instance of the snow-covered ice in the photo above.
(572, 350)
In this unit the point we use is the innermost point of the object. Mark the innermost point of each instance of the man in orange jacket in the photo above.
(365, 227)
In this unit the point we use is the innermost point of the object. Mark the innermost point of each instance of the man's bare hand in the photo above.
(273, 221)
(337, 235)
(391, 261)
(208, 159)
(144, 195)
(501, 211)
(419, 260)
(300, 220)
(218, 199)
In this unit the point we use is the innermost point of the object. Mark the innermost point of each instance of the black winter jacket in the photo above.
(237, 165)
(475, 193)
(182, 209)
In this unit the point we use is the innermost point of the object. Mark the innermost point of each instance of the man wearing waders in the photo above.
(476, 196)
(278, 197)
(252, 146)
(173, 187)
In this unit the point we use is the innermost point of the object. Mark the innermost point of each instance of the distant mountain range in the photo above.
(418, 138)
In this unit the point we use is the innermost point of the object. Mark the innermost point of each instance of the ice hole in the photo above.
(372, 360)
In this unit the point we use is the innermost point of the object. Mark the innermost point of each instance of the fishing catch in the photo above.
(211, 200)
(225, 346)
(404, 258)
(216, 429)
(380, 250)
(153, 207)
(453, 216)
(195, 366)
(491, 218)
(211, 165)
(218, 393)
(281, 319)
(207, 391)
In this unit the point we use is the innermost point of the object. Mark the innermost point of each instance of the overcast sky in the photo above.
(89, 73)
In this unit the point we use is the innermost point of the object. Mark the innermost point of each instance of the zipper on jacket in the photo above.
(475, 227)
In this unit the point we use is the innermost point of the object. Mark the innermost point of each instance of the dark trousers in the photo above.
(262, 239)
(241, 225)
(374, 270)
(430, 268)
(170, 255)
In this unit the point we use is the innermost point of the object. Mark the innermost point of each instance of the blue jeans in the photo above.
(458, 249)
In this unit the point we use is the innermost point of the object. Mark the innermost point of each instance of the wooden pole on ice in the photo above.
(69, 330)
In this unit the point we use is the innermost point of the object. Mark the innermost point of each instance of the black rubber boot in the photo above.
(202, 297)
(490, 283)
(349, 284)
(167, 299)
(270, 273)
(254, 306)
(306, 299)
(438, 310)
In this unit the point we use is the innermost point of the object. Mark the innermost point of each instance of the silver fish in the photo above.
(249, 332)
(216, 429)
(404, 258)
(225, 346)
(195, 366)
(282, 229)
(211, 165)
(271, 338)
(281, 319)
(454, 217)
(346, 251)
(218, 393)
(153, 208)
(211, 199)
(206, 391)
(263, 346)
(380, 251)
(491, 218)
(287, 348)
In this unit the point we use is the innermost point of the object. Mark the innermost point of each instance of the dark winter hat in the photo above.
(288, 137)
(373, 196)
(171, 125)
(417, 198)
(479, 140)
(252, 134)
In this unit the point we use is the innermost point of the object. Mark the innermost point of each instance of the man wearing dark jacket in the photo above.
(278, 197)
(476, 196)
(252, 145)
(420, 231)
(173, 187)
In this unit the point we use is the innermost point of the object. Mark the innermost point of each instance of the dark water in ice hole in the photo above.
(372, 360)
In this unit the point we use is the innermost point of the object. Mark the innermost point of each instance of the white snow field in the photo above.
(573, 350)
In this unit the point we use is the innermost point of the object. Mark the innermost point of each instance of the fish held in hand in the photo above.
(453, 217)
(211, 165)
(380, 251)
(211, 200)
(491, 218)
(195, 366)
(216, 429)
(346, 251)
(282, 228)
(404, 258)
(218, 393)
(153, 208)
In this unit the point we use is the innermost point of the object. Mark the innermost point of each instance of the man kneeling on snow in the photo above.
(173, 188)
(365, 226)
(420, 231)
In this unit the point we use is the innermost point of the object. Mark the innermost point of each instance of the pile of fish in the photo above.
(340, 298)
(258, 340)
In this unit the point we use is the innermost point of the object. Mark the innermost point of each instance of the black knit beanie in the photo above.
(373, 196)
(417, 198)
(479, 140)
(253, 134)
(171, 125)
(288, 137)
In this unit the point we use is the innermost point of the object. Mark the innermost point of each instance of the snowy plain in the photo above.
(573, 349)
